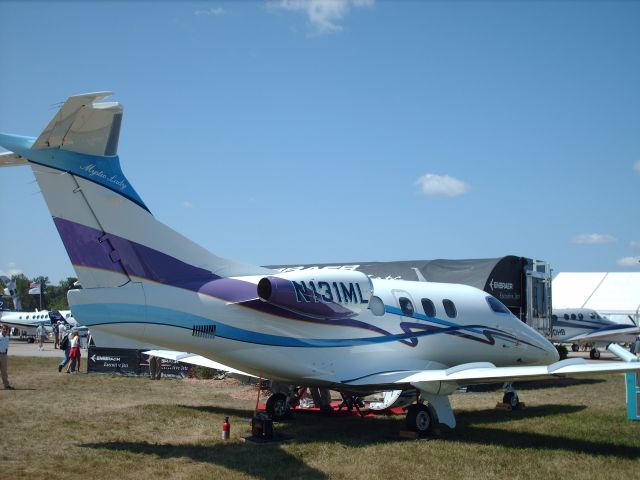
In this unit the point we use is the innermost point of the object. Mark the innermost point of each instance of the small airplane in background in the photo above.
(583, 326)
(325, 328)
(28, 321)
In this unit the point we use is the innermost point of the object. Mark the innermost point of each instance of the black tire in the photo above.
(278, 406)
(511, 398)
(419, 419)
(575, 347)
(594, 354)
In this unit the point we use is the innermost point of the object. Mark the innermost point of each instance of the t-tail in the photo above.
(109, 233)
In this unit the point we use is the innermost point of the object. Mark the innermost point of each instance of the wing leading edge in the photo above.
(477, 373)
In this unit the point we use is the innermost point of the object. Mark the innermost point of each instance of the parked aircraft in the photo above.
(28, 321)
(583, 326)
(326, 328)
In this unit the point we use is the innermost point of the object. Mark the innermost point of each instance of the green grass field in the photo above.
(100, 426)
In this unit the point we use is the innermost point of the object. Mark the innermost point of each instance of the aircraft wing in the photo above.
(614, 333)
(478, 373)
(194, 359)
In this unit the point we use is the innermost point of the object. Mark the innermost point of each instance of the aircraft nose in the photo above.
(550, 353)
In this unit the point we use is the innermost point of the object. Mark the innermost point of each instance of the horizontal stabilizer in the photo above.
(194, 359)
(82, 126)
(10, 159)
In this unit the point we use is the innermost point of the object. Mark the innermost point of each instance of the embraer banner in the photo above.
(113, 360)
(126, 361)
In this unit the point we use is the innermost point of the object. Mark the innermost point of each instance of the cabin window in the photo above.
(449, 308)
(406, 306)
(554, 317)
(566, 316)
(573, 316)
(376, 305)
(496, 305)
(580, 316)
(429, 307)
(592, 316)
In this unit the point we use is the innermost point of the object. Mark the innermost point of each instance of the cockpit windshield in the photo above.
(496, 305)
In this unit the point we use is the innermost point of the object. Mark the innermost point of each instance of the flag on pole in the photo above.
(34, 288)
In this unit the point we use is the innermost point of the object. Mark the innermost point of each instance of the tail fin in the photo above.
(107, 230)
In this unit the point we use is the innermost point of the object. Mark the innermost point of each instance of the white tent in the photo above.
(614, 294)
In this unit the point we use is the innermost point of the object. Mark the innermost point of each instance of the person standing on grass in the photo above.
(74, 351)
(56, 333)
(41, 332)
(65, 345)
(4, 348)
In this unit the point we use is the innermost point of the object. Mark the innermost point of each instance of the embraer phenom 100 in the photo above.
(327, 328)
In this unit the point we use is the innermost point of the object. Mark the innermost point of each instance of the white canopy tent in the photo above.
(614, 294)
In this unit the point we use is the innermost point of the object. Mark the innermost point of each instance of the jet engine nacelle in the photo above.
(330, 294)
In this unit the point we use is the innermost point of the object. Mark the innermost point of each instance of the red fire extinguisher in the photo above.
(226, 429)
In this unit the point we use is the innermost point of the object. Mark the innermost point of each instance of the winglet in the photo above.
(621, 353)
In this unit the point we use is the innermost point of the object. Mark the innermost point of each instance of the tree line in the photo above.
(54, 297)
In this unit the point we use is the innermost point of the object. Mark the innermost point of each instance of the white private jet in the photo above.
(27, 321)
(327, 328)
(583, 326)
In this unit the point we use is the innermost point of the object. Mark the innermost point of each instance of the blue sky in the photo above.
(340, 131)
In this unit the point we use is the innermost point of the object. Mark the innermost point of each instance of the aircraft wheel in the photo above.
(278, 406)
(594, 354)
(511, 398)
(419, 419)
(575, 347)
(31, 340)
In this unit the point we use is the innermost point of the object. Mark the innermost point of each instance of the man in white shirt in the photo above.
(41, 333)
(4, 348)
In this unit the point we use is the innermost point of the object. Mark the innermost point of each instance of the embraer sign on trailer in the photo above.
(500, 285)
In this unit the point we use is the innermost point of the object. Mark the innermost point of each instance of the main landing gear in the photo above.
(594, 354)
(278, 406)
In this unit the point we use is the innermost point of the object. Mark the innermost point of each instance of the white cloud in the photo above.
(629, 262)
(187, 204)
(593, 239)
(636, 166)
(210, 12)
(441, 185)
(324, 16)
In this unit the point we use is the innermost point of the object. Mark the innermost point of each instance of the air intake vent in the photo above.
(204, 331)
